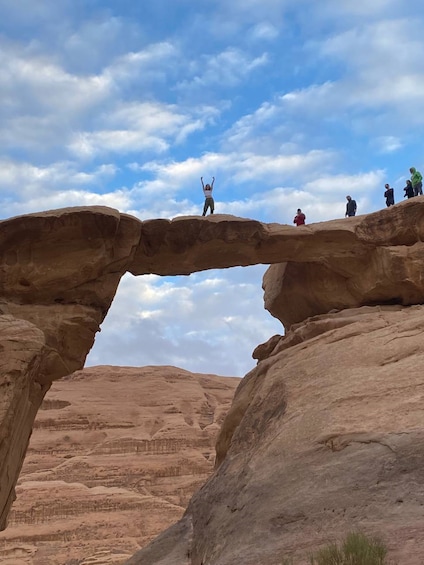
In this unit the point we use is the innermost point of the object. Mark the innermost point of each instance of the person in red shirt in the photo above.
(300, 218)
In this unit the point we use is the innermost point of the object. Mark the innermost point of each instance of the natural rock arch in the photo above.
(60, 271)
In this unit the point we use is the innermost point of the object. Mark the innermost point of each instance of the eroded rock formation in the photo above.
(59, 272)
(325, 436)
(115, 456)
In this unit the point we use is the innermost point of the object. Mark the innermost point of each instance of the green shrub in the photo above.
(356, 549)
(330, 555)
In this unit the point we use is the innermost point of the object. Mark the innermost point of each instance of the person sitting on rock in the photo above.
(409, 189)
(207, 191)
(389, 195)
(300, 218)
(350, 207)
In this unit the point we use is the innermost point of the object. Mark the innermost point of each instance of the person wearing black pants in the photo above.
(350, 207)
(389, 195)
(207, 191)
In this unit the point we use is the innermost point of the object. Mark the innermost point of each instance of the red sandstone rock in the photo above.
(325, 436)
(59, 271)
(115, 456)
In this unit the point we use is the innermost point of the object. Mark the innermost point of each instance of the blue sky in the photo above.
(288, 103)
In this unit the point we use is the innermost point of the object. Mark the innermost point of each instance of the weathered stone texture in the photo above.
(339, 373)
(324, 436)
(115, 456)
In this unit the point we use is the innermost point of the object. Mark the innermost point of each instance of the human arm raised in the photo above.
(213, 180)
(201, 180)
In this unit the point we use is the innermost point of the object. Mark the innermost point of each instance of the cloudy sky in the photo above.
(288, 103)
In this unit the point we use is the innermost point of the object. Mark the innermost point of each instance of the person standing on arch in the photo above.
(389, 195)
(300, 218)
(207, 191)
(417, 181)
(409, 189)
(350, 207)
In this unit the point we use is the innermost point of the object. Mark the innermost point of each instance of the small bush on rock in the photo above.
(356, 549)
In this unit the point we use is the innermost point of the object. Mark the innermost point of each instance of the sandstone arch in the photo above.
(60, 271)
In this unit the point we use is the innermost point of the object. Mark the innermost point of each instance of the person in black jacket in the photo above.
(389, 195)
(409, 189)
(350, 207)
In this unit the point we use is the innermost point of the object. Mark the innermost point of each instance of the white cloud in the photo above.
(265, 31)
(30, 177)
(226, 69)
(45, 107)
(321, 199)
(357, 82)
(59, 185)
(90, 145)
(365, 83)
(275, 168)
(41, 103)
(172, 177)
(387, 143)
(361, 183)
(47, 85)
(144, 126)
(94, 43)
(210, 313)
(266, 188)
(235, 168)
(64, 199)
(146, 66)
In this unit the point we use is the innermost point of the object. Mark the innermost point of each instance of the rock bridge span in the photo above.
(59, 272)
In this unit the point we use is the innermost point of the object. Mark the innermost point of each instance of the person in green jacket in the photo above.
(417, 181)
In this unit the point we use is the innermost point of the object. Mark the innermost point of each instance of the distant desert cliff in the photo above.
(324, 435)
(115, 455)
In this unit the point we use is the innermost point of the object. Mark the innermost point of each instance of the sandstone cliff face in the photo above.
(22, 354)
(115, 456)
(324, 436)
(382, 264)
(58, 275)
(59, 272)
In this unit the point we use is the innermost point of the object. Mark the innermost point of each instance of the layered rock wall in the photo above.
(58, 275)
(115, 456)
(23, 356)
